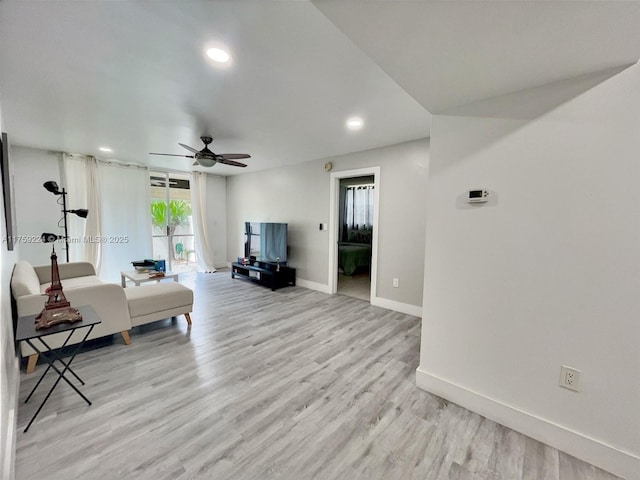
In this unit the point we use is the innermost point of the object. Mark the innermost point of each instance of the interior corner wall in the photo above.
(547, 273)
(9, 364)
(299, 195)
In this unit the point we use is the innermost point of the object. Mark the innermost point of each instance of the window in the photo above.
(172, 223)
(359, 207)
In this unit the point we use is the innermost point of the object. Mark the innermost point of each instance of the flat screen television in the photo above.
(267, 242)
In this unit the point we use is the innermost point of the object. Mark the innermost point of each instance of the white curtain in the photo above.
(93, 224)
(126, 223)
(83, 191)
(204, 252)
(359, 207)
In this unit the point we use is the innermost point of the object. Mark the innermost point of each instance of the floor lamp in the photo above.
(52, 187)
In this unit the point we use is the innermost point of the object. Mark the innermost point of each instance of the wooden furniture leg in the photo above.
(188, 317)
(31, 363)
(125, 337)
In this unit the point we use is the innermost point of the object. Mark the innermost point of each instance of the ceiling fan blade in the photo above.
(171, 155)
(191, 149)
(231, 162)
(234, 156)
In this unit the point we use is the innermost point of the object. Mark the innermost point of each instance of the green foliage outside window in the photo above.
(179, 211)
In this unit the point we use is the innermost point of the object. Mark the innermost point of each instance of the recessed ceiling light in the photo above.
(218, 55)
(355, 123)
(105, 149)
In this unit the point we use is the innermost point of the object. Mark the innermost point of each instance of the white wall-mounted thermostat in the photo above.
(478, 196)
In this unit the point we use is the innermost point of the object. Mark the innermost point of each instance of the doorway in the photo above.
(354, 232)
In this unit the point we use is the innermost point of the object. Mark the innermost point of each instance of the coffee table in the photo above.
(140, 277)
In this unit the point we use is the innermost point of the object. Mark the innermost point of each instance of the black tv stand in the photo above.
(265, 273)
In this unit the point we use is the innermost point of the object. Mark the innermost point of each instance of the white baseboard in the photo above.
(320, 287)
(397, 306)
(595, 452)
(375, 301)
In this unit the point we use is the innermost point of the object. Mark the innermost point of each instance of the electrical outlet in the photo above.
(396, 283)
(570, 378)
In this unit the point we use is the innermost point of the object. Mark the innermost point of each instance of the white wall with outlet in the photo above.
(545, 275)
(570, 378)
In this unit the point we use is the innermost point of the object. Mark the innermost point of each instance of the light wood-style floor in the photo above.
(292, 384)
(357, 285)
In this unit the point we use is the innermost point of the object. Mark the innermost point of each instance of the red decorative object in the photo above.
(57, 309)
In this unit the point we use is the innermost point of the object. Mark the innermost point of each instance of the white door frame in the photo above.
(334, 228)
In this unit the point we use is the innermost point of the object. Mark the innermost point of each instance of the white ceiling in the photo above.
(452, 53)
(133, 76)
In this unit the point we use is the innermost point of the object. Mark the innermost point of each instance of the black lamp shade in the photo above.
(81, 212)
(50, 237)
(52, 187)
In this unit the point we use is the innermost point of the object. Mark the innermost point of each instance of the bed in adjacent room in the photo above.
(352, 256)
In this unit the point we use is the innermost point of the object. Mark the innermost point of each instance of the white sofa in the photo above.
(81, 287)
(119, 311)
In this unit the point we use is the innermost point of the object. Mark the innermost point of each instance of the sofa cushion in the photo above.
(147, 299)
(24, 280)
(76, 282)
(65, 270)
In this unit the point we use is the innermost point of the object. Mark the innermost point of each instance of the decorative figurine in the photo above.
(277, 264)
(57, 309)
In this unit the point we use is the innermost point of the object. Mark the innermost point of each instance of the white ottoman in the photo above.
(148, 303)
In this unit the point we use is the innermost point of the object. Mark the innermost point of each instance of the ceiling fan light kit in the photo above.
(207, 158)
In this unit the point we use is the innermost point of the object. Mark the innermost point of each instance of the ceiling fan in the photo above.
(206, 158)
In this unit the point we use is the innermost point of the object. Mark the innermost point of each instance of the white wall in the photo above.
(37, 210)
(547, 273)
(9, 373)
(299, 195)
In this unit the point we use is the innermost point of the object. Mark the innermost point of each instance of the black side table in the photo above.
(26, 331)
